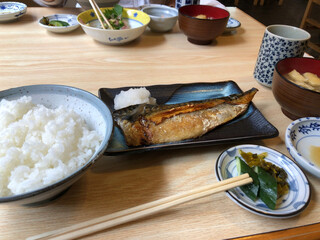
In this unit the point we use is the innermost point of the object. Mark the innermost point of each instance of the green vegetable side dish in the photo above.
(269, 180)
(252, 189)
(268, 187)
(55, 23)
(278, 173)
(114, 16)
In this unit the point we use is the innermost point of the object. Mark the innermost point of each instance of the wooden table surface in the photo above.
(31, 55)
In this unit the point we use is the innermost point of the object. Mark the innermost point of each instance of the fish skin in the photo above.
(145, 124)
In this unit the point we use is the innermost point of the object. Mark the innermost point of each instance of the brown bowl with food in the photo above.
(296, 87)
(202, 23)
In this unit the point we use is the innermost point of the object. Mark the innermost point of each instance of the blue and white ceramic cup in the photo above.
(278, 42)
(180, 3)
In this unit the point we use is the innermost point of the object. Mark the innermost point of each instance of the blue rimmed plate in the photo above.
(11, 10)
(288, 205)
(68, 18)
(232, 24)
(302, 136)
(251, 125)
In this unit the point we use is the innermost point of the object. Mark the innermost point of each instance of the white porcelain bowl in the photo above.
(68, 18)
(163, 18)
(10, 11)
(302, 136)
(135, 19)
(96, 115)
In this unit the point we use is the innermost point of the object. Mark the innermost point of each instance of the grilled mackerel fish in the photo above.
(145, 124)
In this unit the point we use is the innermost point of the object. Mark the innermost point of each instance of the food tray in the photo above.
(251, 125)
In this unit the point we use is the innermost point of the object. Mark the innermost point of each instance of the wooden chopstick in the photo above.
(100, 14)
(121, 217)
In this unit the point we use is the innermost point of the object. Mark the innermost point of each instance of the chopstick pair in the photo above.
(100, 15)
(131, 214)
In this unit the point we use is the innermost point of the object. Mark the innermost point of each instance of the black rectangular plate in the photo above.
(251, 125)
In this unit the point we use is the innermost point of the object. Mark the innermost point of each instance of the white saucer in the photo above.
(10, 11)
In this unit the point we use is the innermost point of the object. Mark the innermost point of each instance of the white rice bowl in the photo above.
(40, 146)
(133, 96)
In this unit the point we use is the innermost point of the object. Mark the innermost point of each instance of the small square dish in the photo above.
(251, 125)
(288, 205)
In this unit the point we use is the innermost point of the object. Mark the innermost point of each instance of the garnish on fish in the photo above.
(145, 124)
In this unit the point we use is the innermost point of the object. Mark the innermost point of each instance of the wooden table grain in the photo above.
(31, 55)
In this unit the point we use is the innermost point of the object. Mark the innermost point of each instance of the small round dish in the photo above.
(68, 18)
(303, 141)
(162, 18)
(10, 11)
(287, 206)
(232, 25)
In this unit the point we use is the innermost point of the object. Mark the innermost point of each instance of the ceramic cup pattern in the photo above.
(278, 42)
(180, 3)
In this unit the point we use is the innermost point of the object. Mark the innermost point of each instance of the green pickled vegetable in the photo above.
(268, 192)
(252, 189)
(253, 159)
(269, 180)
(58, 23)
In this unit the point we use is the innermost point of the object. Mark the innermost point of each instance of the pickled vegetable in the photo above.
(269, 180)
(253, 159)
(268, 187)
(252, 189)
(58, 23)
(55, 23)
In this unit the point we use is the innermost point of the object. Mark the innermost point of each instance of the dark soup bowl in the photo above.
(202, 23)
(296, 98)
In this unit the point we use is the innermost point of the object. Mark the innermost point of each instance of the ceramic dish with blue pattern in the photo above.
(232, 24)
(10, 11)
(70, 19)
(303, 143)
(136, 21)
(289, 205)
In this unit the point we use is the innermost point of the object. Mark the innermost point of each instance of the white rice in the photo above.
(40, 146)
(133, 96)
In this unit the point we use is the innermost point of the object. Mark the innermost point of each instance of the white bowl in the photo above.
(96, 114)
(135, 19)
(11, 10)
(163, 18)
(85, 4)
(69, 18)
(301, 135)
(289, 205)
